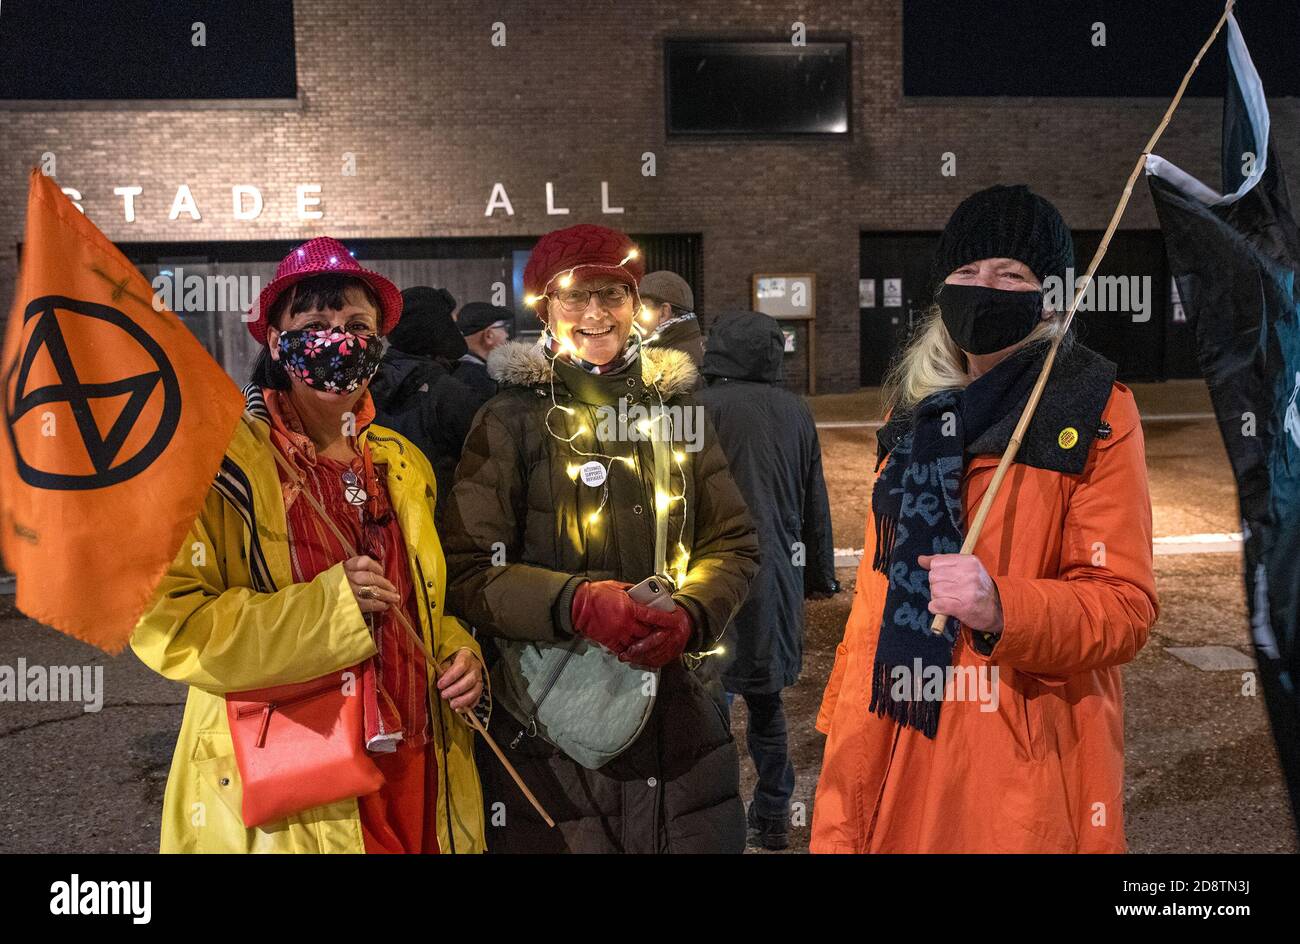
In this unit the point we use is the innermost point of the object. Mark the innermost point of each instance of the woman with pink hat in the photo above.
(308, 587)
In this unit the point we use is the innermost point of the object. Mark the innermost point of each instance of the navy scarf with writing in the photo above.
(918, 510)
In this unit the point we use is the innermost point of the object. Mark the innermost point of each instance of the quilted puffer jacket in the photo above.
(519, 528)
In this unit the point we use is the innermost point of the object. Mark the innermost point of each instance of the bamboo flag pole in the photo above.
(972, 535)
(468, 715)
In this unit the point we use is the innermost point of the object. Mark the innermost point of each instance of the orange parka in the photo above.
(1039, 768)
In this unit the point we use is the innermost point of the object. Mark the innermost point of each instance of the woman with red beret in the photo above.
(557, 511)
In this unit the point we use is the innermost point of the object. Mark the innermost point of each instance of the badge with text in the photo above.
(593, 473)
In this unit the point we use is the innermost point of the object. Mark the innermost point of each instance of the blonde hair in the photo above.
(932, 361)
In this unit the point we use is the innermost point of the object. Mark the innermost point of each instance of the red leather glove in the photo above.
(605, 614)
(665, 643)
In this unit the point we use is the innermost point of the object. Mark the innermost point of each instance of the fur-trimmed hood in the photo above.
(520, 364)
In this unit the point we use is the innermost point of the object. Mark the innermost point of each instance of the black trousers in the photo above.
(769, 748)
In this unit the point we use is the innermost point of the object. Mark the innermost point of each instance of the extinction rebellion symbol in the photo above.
(101, 449)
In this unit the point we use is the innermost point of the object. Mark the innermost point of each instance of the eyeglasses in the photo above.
(574, 300)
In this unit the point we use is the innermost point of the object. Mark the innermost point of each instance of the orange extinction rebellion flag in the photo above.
(115, 422)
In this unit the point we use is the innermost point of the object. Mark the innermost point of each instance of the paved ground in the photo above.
(1202, 773)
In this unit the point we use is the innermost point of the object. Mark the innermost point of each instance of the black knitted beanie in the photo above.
(1009, 223)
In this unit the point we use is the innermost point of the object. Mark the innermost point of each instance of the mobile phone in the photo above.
(655, 591)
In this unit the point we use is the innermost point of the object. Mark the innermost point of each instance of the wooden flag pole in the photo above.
(972, 535)
(466, 714)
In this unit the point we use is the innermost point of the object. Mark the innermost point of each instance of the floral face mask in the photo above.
(330, 359)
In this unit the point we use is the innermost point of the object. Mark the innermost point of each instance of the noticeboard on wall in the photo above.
(790, 296)
(785, 294)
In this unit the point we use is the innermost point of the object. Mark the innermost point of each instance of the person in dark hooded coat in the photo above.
(414, 391)
(771, 445)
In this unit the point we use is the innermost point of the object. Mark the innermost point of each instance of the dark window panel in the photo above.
(142, 49)
(756, 88)
(1019, 48)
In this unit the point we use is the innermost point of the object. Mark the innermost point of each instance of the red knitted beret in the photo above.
(583, 245)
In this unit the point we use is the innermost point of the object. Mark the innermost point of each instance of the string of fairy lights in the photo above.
(664, 501)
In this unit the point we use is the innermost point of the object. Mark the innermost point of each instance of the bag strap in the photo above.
(296, 478)
(662, 457)
(466, 715)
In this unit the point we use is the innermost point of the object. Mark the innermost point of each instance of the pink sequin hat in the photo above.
(320, 256)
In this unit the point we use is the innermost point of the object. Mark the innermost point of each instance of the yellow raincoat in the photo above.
(208, 628)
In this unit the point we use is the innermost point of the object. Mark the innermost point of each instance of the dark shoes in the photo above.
(770, 834)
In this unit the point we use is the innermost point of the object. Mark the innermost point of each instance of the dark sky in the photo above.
(142, 49)
(1043, 47)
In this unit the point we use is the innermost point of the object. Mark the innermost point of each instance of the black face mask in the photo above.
(982, 320)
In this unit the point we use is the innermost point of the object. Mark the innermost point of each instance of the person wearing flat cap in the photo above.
(485, 328)
(556, 513)
(667, 316)
(1004, 731)
(316, 534)
(416, 391)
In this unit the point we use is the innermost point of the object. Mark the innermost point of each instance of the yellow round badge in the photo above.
(1069, 436)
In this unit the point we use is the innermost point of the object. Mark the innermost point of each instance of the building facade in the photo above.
(457, 131)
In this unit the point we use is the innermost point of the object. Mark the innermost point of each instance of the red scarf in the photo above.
(394, 683)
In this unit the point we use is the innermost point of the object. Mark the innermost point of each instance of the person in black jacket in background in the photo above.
(771, 444)
(414, 391)
(485, 327)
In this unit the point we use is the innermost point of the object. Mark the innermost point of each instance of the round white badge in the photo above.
(593, 473)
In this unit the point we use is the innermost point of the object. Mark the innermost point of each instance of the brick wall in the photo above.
(435, 115)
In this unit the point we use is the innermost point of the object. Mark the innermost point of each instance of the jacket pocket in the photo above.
(218, 790)
(1029, 693)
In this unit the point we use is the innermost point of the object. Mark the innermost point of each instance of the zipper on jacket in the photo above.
(435, 708)
(530, 728)
(267, 707)
(401, 450)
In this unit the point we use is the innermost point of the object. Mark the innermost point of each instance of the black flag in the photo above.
(1235, 258)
